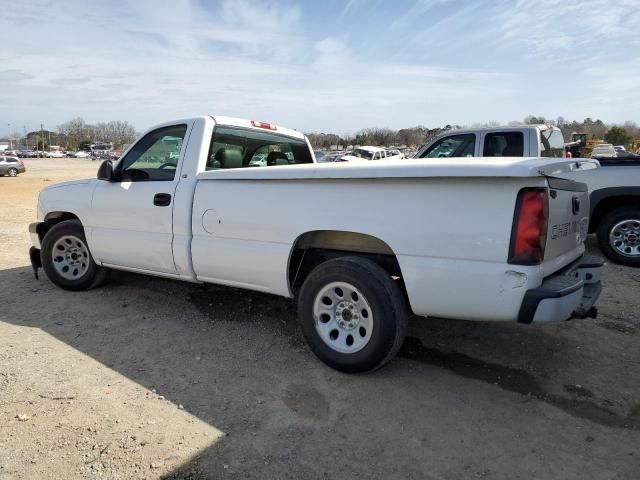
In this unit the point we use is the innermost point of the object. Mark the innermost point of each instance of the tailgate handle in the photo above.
(162, 200)
(575, 204)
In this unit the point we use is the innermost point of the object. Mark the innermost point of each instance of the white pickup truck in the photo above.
(358, 245)
(614, 189)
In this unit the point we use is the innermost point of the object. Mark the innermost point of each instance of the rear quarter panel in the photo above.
(451, 235)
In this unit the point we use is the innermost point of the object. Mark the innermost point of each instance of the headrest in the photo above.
(277, 158)
(232, 158)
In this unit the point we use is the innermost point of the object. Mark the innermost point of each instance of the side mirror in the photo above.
(105, 172)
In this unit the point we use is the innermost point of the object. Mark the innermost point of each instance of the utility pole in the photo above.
(42, 138)
(9, 135)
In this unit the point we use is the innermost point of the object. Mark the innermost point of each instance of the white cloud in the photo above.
(444, 62)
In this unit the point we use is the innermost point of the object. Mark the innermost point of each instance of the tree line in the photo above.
(77, 134)
(416, 136)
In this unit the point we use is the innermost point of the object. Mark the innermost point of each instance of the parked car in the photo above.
(82, 154)
(622, 152)
(366, 153)
(604, 150)
(331, 157)
(356, 272)
(56, 154)
(614, 189)
(11, 166)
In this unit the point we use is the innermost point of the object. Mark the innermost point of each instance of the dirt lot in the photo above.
(149, 378)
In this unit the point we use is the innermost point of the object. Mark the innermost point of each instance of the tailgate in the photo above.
(568, 216)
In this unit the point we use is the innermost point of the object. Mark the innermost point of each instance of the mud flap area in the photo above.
(36, 261)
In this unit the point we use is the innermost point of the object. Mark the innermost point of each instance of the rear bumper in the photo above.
(570, 293)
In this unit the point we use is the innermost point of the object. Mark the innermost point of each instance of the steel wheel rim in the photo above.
(624, 237)
(12, 172)
(343, 317)
(70, 257)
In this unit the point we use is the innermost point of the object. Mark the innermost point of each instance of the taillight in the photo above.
(529, 233)
(264, 125)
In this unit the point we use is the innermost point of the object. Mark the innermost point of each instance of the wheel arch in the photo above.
(314, 247)
(608, 199)
(53, 218)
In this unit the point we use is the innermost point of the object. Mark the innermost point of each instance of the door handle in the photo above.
(162, 199)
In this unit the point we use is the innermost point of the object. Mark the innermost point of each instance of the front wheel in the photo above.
(619, 236)
(353, 315)
(12, 172)
(66, 258)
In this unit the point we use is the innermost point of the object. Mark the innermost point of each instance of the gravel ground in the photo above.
(150, 378)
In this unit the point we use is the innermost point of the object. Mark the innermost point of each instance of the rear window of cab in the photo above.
(234, 147)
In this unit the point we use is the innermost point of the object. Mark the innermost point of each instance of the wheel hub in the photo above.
(344, 319)
(70, 257)
(347, 315)
(625, 237)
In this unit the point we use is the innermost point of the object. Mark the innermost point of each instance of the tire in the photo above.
(12, 172)
(375, 318)
(619, 236)
(65, 245)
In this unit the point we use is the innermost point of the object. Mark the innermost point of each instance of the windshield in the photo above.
(360, 153)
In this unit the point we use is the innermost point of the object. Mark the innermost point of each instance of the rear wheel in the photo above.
(12, 172)
(353, 315)
(619, 236)
(66, 258)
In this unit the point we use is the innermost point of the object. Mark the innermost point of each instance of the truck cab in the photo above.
(519, 141)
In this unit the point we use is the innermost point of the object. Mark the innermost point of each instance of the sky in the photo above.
(321, 65)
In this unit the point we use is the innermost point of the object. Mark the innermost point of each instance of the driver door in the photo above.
(131, 221)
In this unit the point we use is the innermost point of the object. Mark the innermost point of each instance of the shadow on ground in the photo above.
(237, 361)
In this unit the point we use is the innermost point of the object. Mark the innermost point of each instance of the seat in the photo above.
(277, 158)
(216, 161)
(225, 158)
(232, 158)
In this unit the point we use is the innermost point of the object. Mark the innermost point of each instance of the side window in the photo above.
(452, 146)
(503, 144)
(155, 156)
(239, 147)
(551, 143)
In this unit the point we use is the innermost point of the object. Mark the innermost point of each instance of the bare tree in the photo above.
(77, 131)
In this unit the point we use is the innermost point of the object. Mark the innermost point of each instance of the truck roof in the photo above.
(254, 125)
(504, 128)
